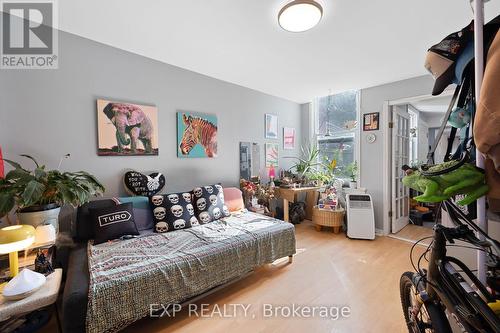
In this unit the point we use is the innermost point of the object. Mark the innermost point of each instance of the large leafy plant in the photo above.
(24, 188)
(307, 161)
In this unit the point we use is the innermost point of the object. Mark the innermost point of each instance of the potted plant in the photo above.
(306, 164)
(352, 171)
(38, 194)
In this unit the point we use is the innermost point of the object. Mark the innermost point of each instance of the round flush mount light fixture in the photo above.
(300, 15)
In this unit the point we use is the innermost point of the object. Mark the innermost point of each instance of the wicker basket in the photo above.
(328, 218)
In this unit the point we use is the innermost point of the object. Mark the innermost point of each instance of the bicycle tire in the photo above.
(438, 320)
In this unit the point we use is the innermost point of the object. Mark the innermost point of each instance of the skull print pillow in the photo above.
(209, 204)
(173, 211)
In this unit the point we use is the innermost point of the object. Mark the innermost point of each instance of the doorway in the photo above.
(413, 126)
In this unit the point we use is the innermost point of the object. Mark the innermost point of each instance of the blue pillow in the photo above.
(142, 212)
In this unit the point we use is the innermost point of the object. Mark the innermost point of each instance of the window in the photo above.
(337, 129)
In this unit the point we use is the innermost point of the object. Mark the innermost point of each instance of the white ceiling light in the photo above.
(300, 15)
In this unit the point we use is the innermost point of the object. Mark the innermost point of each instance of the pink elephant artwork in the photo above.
(126, 129)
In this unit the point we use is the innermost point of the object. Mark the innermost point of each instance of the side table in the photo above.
(45, 296)
(289, 194)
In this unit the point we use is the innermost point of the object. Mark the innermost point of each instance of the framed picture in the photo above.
(371, 121)
(196, 135)
(288, 138)
(271, 126)
(125, 129)
(272, 154)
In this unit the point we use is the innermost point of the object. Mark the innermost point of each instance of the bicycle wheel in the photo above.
(429, 318)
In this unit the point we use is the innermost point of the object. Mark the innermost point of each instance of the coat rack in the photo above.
(482, 221)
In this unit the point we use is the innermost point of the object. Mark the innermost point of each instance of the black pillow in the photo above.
(208, 202)
(83, 229)
(173, 211)
(113, 222)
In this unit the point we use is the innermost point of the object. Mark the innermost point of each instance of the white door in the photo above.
(400, 157)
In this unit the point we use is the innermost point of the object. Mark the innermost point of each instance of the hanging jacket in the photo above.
(487, 123)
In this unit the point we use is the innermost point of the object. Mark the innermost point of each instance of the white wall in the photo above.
(423, 139)
(372, 100)
(371, 155)
(48, 113)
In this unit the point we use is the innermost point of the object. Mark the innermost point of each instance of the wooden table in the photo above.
(289, 195)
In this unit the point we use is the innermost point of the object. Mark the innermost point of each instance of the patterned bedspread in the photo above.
(127, 276)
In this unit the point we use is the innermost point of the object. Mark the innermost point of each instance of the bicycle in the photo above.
(448, 289)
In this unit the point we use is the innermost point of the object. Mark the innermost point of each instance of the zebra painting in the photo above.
(196, 135)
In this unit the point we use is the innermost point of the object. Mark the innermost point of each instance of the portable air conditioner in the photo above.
(360, 218)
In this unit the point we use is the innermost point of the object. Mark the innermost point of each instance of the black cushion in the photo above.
(209, 203)
(113, 222)
(173, 211)
(84, 228)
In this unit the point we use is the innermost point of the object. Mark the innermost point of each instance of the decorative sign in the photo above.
(137, 183)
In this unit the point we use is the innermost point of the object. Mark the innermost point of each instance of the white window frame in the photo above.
(314, 120)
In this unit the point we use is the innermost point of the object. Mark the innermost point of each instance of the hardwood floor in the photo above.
(328, 270)
(414, 233)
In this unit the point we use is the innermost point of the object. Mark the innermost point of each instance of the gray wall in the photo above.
(372, 100)
(48, 113)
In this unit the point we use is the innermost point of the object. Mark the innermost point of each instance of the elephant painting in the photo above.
(132, 127)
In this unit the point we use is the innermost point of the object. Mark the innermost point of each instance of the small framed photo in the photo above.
(271, 126)
(288, 138)
(371, 121)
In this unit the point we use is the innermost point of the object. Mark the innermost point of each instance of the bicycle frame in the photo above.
(448, 287)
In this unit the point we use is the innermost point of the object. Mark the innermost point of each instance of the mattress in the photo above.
(126, 277)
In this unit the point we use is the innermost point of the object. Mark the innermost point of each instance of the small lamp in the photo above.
(272, 174)
(15, 238)
(45, 234)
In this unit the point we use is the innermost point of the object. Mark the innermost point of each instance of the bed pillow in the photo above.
(173, 211)
(208, 202)
(113, 222)
(233, 199)
(142, 212)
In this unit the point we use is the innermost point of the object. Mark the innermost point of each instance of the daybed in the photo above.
(111, 285)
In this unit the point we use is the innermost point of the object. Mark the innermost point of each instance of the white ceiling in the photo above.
(357, 44)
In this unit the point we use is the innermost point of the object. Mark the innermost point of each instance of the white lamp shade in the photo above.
(45, 234)
(300, 15)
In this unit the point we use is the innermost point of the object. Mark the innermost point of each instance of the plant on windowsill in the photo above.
(306, 163)
(39, 194)
(352, 171)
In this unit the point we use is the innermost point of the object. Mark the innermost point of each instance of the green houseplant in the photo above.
(352, 171)
(305, 164)
(38, 194)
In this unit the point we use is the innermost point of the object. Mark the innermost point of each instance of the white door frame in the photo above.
(387, 151)
(400, 147)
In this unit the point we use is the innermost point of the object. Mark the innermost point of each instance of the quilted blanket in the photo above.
(127, 276)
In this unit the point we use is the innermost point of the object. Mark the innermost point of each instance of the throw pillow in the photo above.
(142, 212)
(113, 222)
(173, 211)
(137, 183)
(209, 203)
